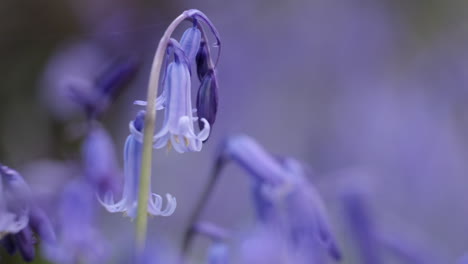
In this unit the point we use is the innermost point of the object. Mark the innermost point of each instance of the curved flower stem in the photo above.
(150, 121)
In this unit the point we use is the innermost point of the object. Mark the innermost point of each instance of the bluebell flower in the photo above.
(190, 42)
(178, 129)
(285, 198)
(132, 162)
(100, 161)
(20, 217)
(78, 240)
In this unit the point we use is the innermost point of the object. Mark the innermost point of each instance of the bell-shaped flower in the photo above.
(20, 217)
(132, 162)
(190, 42)
(178, 129)
(285, 198)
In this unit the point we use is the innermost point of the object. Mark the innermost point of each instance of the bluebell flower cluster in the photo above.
(291, 220)
(178, 129)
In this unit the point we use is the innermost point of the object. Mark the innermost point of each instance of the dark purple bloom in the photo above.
(203, 61)
(207, 99)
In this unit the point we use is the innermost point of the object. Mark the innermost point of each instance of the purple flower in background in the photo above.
(20, 218)
(76, 82)
(14, 198)
(132, 162)
(284, 198)
(100, 161)
(104, 88)
(78, 240)
(375, 242)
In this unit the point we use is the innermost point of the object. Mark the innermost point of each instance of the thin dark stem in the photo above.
(195, 216)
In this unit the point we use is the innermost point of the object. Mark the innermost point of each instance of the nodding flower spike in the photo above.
(132, 162)
(284, 197)
(207, 100)
(190, 42)
(178, 129)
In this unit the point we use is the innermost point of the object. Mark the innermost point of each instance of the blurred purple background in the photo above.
(365, 91)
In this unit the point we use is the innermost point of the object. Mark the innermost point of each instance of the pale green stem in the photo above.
(148, 131)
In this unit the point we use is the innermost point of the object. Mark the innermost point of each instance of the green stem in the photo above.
(148, 131)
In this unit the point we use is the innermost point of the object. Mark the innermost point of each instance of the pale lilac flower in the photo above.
(190, 42)
(178, 129)
(285, 198)
(132, 162)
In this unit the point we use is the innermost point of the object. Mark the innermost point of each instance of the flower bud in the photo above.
(190, 43)
(202, 60)
(207, 100)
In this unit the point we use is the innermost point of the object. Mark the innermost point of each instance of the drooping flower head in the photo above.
(285, 198)
(132, 162)
(178, 128)
(20, 217)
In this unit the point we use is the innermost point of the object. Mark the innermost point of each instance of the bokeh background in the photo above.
(369, 91)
